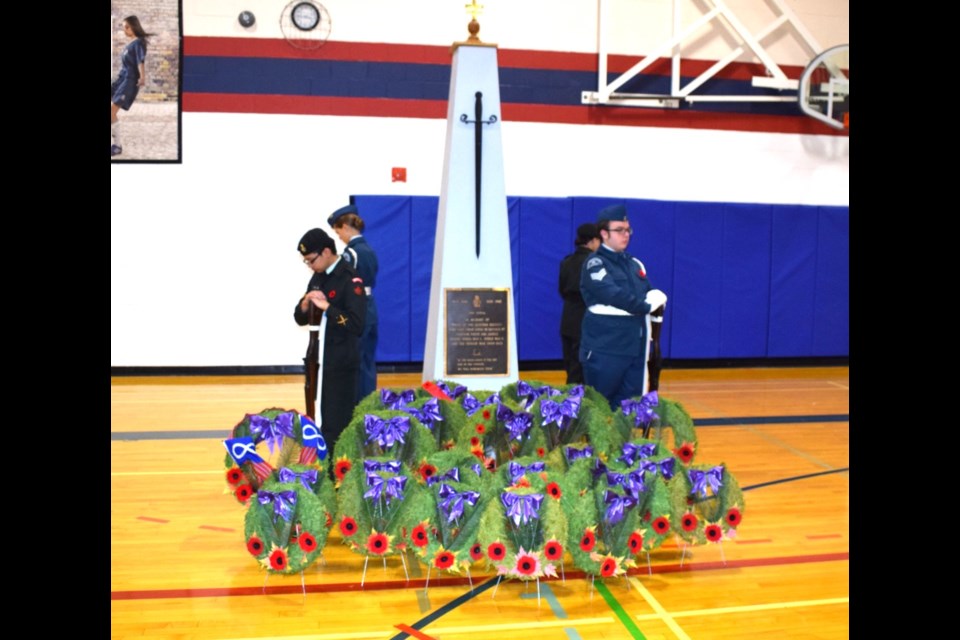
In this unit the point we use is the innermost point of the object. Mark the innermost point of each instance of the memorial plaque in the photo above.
(476, 332)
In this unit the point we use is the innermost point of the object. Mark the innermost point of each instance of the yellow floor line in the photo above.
(165, 473)
(750, 607)
(661, 613)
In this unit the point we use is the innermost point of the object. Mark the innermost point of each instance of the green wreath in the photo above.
(712, 503)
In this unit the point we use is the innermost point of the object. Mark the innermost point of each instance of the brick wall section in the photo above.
(161, 18)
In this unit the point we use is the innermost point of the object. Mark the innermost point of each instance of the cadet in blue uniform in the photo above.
(571, 318)
(615, 334)
(348, 226)
(336, 289)
(132, 76)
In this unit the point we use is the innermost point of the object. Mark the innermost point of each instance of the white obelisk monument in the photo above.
(471, 330)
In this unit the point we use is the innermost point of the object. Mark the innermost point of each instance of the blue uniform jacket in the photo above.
(362, 258)
(616, 280)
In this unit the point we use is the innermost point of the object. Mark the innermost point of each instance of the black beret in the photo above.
(342, 211)
(315, 241)
(613, 212)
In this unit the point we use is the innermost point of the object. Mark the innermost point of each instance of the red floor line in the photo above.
(823, 536)
(754, 541)
(212, 528)
(160, 520)
(413, 632)
(452, 581)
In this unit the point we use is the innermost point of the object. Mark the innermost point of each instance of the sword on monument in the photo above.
(311, 361)
(655, 362)
(477, 153)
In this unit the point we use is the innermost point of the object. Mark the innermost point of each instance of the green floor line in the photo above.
(618, 610)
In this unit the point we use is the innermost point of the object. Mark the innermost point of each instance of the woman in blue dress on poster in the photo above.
(123, 90)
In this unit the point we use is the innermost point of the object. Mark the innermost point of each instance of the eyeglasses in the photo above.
(626, 230)
(310, 261)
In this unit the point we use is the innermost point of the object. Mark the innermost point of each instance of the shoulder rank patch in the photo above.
(594, 262)
(598, 275)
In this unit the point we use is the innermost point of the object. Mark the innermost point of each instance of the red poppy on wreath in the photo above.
(646, 517)
(688, 522)
(685, 452)
(734, 517)
(328, 519)
(244, 492)
(588, 540)
(526, 564)
(486, 414)
(541, 452)
(278, 560)
(332, 294)
(234, 475)
(255, 546)
(342, 467)
(348, 526)
(474, 441)
(481, 429)
(426, 471)
(713, 532)
(378, 543)
(449, 444)
(476, 551)
(635, 542)
(661, 525)
(307, 542)
(522, 482)
(419, 535)
(443, 560)
(553, 489)
(496, 551)
(608, 567)
(553, 550)
(478, 452)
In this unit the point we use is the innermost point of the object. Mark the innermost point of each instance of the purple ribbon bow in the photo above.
(522, 509)
(634, 484)
(516, 423)
(576, 392)
(273, 431)
(703, 479)
(664, 467)
(477, 469)
(453, 503)
(643, 408)
(633, 451)
(574, 453)
(457, 391)
(516, 470)
(618, 506)
(452, 474)
(242, 449)
(598, 469)
(386, 432)
(283, 503)
(524, 390)
(562, 413)
(494, 399)
(470, 404)
(390, 488)
(429, 414)
(371, 466)
(307, 478)
(395, 401)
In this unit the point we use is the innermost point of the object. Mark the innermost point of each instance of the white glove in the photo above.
(656, 299)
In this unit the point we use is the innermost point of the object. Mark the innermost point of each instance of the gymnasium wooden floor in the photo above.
(179, 567)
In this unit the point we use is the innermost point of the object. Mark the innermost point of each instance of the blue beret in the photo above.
(342, 211)
(613, 212)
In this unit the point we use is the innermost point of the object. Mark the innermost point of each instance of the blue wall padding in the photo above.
(742, 280)
(831, 332)
(792, 281)
(745, 294)
(695, 301)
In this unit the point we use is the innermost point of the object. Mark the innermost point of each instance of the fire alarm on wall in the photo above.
(398, 174)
